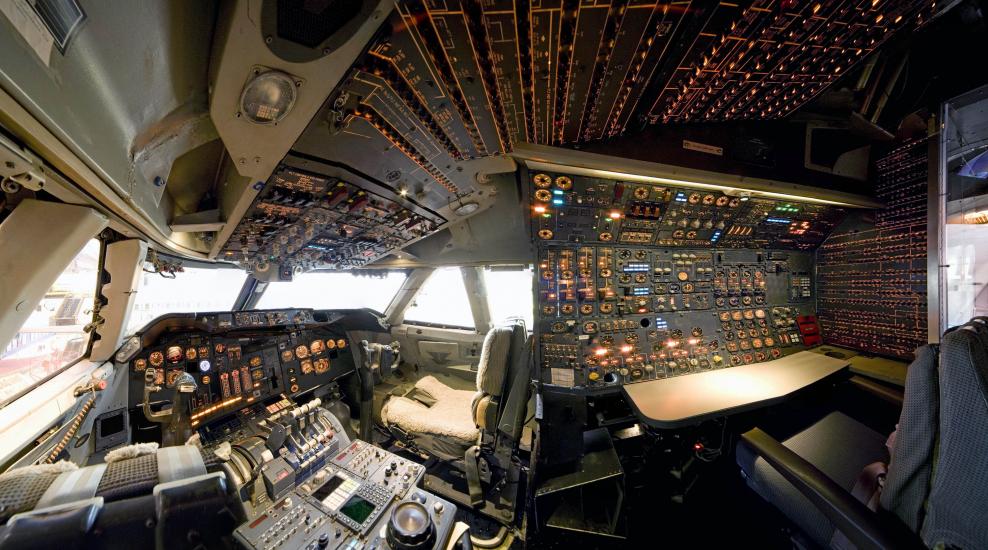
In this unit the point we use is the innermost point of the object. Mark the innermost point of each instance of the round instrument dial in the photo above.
(173, 375)
(322, 365)
(190, 354)
(301, 351)
(341, 343)
(564, 183)
(140, 365)
(156, 358)
(287, 356)
(317, 347)
(203, 351)
(331, 344)
(307, 367)
(542, 181)
(173, 354)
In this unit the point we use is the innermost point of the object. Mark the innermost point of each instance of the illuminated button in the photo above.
(594, 375)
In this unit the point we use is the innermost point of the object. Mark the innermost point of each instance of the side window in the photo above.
(442, 300)
(509, 294)
(53, 336)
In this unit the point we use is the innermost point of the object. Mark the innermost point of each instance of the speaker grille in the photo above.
(311, 22)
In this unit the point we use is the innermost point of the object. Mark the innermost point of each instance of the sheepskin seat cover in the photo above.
(449, 417)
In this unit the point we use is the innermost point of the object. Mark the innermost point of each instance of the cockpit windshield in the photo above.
(327, 290)
(189, 290)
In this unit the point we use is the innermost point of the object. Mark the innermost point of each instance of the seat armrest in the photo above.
(866, 529)
(881, 391)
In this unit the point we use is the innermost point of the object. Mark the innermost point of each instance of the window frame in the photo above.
(479, 305)
(87, 351)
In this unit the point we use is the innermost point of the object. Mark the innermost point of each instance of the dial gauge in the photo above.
(140, 365)
(322, 365)
(190, 354)
(287, 356)
(173, 354)
(203, 351)
(330, 344)
(341, 343)
(317, 347)
(173, 375)
(156, 358)
(301, 351)
(307, 367)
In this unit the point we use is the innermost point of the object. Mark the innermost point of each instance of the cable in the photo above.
(73, 428)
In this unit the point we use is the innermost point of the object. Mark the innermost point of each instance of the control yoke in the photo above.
(177, 427)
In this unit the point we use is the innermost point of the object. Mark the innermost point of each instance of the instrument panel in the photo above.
(241, 358)
(303, 220)
(638, 282)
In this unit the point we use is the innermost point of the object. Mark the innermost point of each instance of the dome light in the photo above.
(268, 97)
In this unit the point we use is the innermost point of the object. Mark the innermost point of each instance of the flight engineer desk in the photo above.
(686, 400)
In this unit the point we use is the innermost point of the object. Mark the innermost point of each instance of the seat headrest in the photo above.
(493, 366)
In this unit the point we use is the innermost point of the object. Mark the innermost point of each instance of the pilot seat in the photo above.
(474, 432)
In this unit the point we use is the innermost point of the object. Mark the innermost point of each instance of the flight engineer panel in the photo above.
(639, 281)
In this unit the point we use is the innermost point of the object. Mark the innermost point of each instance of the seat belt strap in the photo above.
(471, 460)
(71, 486)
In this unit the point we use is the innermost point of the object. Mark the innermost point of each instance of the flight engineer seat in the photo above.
(475, 432)
(843, 489)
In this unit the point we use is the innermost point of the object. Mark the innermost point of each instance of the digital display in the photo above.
(327, 489)
(358, 509)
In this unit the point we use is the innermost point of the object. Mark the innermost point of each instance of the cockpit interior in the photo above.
(493, 274)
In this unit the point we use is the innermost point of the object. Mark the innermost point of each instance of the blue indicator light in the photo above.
(661, 323)
(557, 191)
(777, 220)
(557, 202)
(641, 291)
(680, 197)
(635, 267)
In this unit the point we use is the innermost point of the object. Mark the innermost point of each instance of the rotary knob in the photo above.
(410, 527)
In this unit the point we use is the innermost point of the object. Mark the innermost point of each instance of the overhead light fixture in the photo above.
(268, 97)
(466, 209)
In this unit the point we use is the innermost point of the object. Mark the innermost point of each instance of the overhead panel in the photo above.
(448, 81)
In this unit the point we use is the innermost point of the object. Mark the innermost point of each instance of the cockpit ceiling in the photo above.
(479, 77)
(412, 105)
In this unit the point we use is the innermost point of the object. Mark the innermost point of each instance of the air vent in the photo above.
(312, 22)
(62, 18)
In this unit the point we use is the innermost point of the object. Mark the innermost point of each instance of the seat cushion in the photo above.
(445, 429)
(838, 446)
